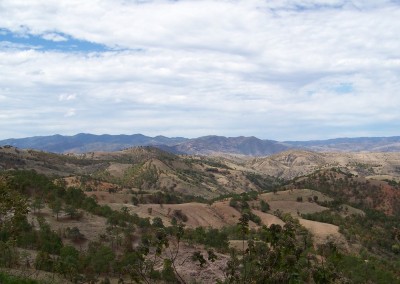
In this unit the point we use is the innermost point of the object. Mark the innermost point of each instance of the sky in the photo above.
(274, 69)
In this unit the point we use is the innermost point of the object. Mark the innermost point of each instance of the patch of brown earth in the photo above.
(324, 232)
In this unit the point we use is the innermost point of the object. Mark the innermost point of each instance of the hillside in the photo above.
(293, 163)
(141, 169)
(374, 194)
(144, 206)
(95, 235)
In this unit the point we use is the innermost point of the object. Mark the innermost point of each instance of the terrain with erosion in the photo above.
(145, 215)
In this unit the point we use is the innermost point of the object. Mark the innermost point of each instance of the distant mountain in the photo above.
(82, 142)
(370, 144)
(206, 145)
(250, 146)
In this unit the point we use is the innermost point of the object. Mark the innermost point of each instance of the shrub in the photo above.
(178, 214)
(264, 206)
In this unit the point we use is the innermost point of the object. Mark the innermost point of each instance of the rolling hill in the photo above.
(111, 203)
(141, 168)
(293, 163)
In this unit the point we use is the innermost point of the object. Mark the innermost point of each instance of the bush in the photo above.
(44, 262)
(74, 234)
(264, 206)
(134, 200)
(178, 214)
(11, 279)
(8, 255)
(158, 223)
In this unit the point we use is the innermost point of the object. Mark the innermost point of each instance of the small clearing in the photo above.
(324, 232)
(293, 194)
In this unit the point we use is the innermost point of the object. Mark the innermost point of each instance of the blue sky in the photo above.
(284, 70)
(48, 42)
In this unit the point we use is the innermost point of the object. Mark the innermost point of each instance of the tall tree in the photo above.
(56, 206)
(13, 209)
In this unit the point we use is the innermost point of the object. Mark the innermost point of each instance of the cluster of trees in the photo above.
(377, 232)
(112, 255)
(265, 183)
(11, 279)
(393, 182)
(160, 197)
(345, 186)
(279, 254)
(240, 203)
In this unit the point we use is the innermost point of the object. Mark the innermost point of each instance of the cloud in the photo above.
(70, 112)
(7, 45)
(54, 37)
(274, 69)
(66, 97)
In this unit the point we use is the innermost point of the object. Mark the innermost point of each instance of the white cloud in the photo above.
(67, 97)
(7, 45)
(275, 69)
(54, 37)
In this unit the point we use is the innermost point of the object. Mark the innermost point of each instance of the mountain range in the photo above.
(206, 145)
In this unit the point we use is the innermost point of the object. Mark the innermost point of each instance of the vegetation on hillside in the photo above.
(148, 250)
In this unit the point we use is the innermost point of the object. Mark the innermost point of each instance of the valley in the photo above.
(171, 210)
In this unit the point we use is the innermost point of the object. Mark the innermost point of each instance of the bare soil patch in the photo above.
(296, 208)
(217, 215)
(91, 226)
(268, 219)
(324, 232)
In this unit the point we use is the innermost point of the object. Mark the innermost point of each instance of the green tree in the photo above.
(13, 210)
(47, 240)
(9, 255)
(74, 234)
(44, 261)
(72, 212)
(37, 205)
(264, 206)
(68, 264)
(100, 258)
(157, 222)
(56, 206)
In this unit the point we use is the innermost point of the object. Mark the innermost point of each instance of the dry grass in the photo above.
(293, 194)
(323, 232)
(286, 201)
(91, 226)
(295, 163)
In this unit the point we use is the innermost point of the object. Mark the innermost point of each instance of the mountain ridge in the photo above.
(204, 145)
